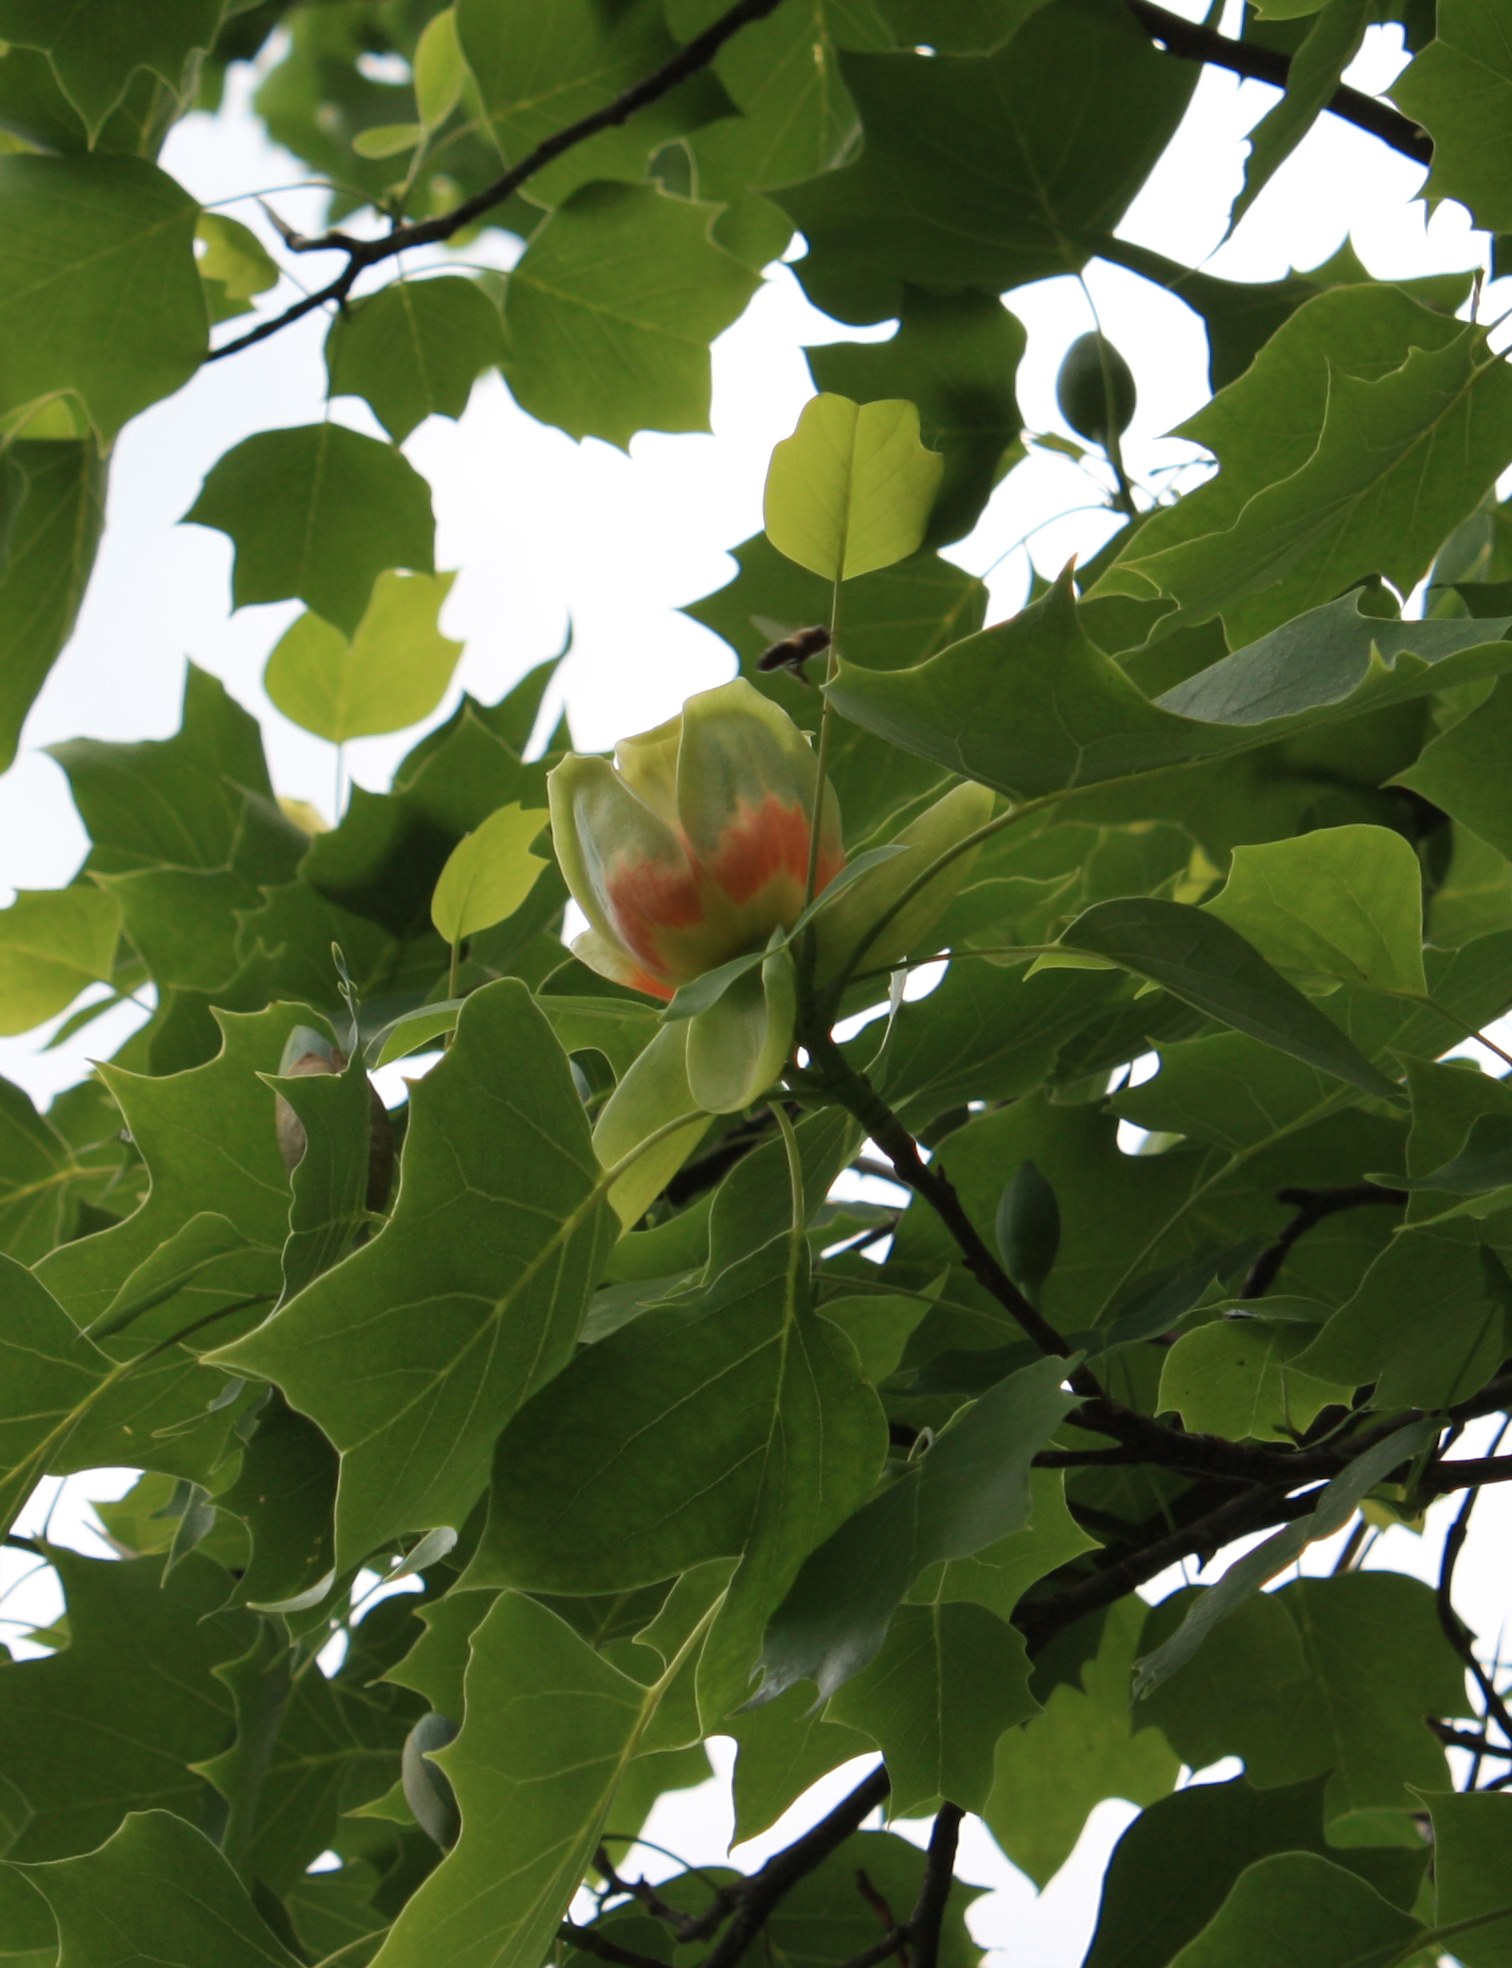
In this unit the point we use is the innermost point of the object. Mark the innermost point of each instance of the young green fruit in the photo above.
(1085, 394)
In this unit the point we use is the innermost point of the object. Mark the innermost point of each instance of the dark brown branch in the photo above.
(928, 1916)
(644, 1892)
(1154, 1442)
(1194, 42)
(893, 1946)
(361, 254)
(749, 1903)
(915, 1942)
(860, 1098)
(591, 1941)
(1468, 1473)
(1255, 1510)
(1468, 1739)
(1312, 1207)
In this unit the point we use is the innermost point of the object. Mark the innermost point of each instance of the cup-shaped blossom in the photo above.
(694, 844)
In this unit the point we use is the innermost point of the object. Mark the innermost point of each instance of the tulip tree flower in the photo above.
(693, 846)
(689, 852)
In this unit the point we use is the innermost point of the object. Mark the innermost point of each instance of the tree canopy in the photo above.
(606, 1333)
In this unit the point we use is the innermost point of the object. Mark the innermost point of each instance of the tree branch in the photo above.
(749, 1903)
(590, 1941)
(928, 1916)
(1255, 1510)
(1468, 1473)
(860, 1098)
(1312, 1206)
(1194, 42)
(1468, 1739)
(361, 254)
(1153, 1441)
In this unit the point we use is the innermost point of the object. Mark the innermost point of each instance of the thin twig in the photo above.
(361, 254)
(1459, 1636)
(1194, 42)
(642, 1891)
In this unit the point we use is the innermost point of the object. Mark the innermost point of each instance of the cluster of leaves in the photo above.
(651, 1448)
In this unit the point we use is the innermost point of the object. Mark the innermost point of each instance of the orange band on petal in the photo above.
(761, 844)
(647, 897)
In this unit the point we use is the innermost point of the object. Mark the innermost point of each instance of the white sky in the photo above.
(543, 529)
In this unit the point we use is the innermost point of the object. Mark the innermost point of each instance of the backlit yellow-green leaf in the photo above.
(489, 872)
(393, 672)
(851, 489)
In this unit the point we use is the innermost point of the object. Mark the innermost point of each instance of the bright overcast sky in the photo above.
(543, 529)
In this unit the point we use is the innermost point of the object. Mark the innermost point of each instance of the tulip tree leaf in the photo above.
(850, 491)
(766, 1396)
(1341, 905)
(1484, 1163)
(909, 1700)
(394, 670)
(52, 1371)
(317, 512)
(970, 1489)
(538, 69)
(1354, 330)
(1199, 959)
(956, 356)
(966, 178)
(1236, 1378)
(414, 350)
(40, 1178)
(472, 1293)
(1462, 770)
(207, 1137)
(1173, 1868)
(1400, 461)
(797, 117)
(610, 311)
(1033, 706)
(332, 1183)
(1336, 1504)
(57, 508)
(1471, 1850)
(1460, 89)
(1310, 1910)
(52, 943)
(100, 298)
(234, 265)
(548, 1736)
(489, 873)
(999, 1575)
(1087, 1745)
(1298, 1706)
(159, 1889)
(102, 1720)
(94, 52)
(897, 616)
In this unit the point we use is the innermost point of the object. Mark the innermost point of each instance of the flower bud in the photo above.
(842, 926)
